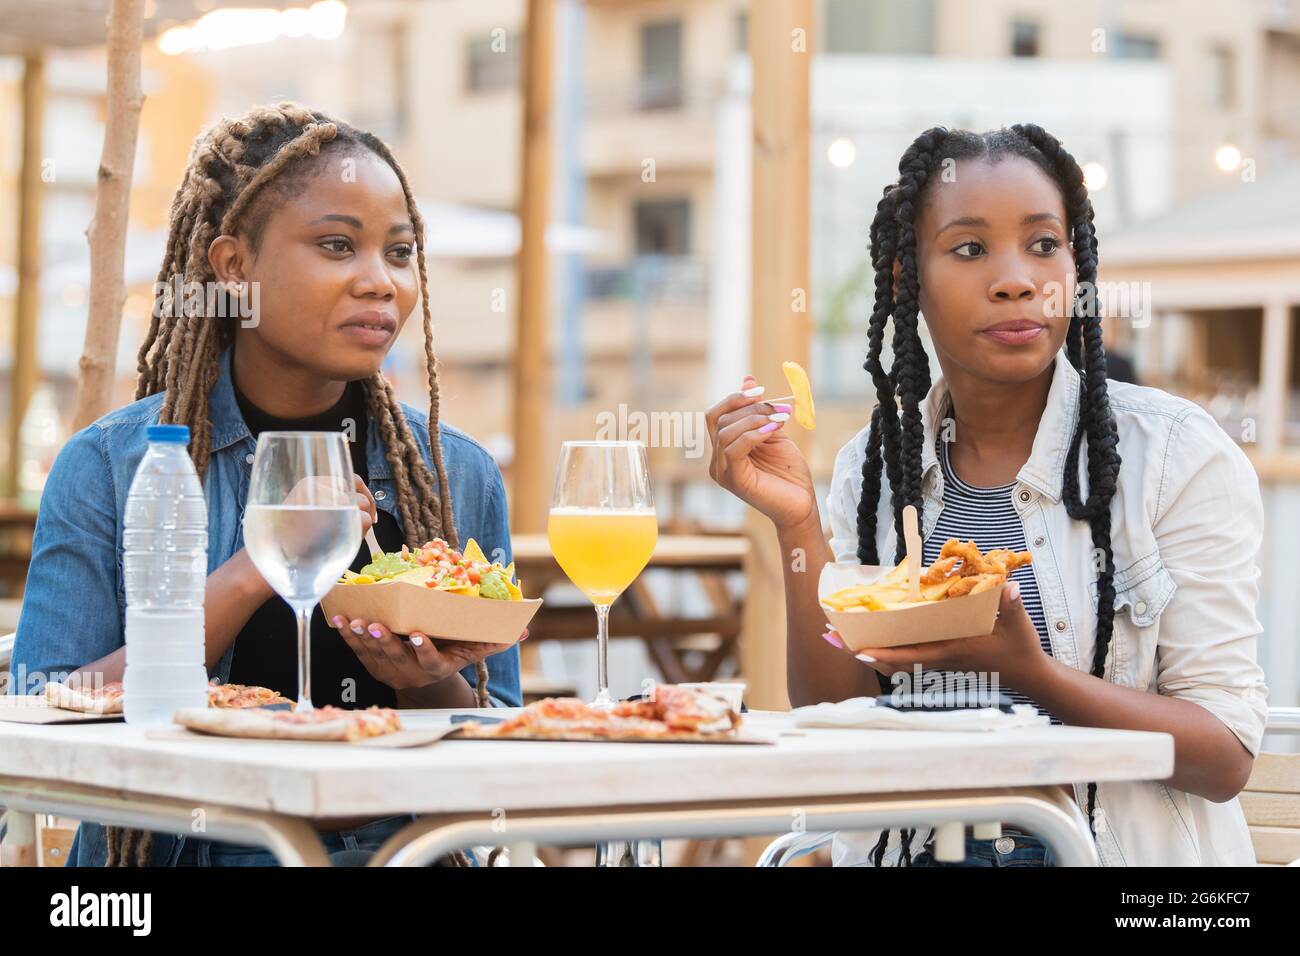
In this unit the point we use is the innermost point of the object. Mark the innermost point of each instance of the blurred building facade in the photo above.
(651, 308)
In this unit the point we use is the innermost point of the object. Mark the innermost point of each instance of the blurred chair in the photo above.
(53, 834)
(1270, 800)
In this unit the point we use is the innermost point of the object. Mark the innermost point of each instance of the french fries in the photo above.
(960, 569)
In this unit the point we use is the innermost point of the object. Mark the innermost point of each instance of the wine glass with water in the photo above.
(300, 526)
(602, 528)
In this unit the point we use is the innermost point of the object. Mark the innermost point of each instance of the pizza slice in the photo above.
(687, 708)
(238, 696)
(322, 723)
(671, 713)
(106, 699)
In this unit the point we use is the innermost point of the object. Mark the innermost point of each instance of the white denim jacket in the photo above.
(1187, 524)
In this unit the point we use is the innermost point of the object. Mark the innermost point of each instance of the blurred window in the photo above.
(663, 227)
(661, 65)
(1136, 46)
(493, 63)
(878, 26)
(1024, 38)
(1223, 92)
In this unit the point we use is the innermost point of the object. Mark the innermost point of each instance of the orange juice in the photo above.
(601, 550)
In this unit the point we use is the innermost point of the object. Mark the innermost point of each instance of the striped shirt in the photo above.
(987, 516)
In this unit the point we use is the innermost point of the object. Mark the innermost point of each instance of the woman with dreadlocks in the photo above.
(1143, 517)
(315, 219)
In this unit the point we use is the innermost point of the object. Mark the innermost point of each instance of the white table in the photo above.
(482, 792)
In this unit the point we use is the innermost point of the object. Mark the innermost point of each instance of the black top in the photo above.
(266, 650)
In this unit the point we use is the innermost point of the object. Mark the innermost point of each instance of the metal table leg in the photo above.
(19, 847)
(293, 840)
(1042, 810)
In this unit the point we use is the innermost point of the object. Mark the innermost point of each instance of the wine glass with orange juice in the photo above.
(602, 528)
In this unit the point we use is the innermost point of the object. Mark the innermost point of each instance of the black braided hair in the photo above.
(894, 439)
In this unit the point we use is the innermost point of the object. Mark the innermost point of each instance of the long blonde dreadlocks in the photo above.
(231, 165)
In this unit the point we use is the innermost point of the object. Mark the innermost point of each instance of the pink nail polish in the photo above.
(374, 632)
(770, 426)
(830, 638)
(336, 620)
(780, 407)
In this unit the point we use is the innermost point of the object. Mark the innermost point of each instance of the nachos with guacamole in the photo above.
(439, 566)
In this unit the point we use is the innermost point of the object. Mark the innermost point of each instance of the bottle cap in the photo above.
(172, 434)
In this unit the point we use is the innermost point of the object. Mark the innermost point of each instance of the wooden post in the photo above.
(532, 378)
(1275, 375)
(780, 47)
(27, 302)
(107, 232)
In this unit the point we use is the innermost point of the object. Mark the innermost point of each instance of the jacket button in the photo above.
(1025, 496)
(1061, 625)
(249, 458)
(1140, 607)
(380, 495)
(1004, 844)
(1039, 541)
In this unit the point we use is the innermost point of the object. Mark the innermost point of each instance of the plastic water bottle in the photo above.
(165, 564)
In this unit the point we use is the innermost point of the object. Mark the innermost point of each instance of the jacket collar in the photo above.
(1045, 469)
(228, 427)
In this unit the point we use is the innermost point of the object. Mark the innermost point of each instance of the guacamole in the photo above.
(493, 585)
(387, 565)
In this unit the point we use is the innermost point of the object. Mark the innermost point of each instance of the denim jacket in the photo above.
(1187, 525)
(74, 606)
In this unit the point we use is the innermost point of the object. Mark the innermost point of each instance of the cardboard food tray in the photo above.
(34, 709)
(403, 607)
(408, 737)
(967, 616)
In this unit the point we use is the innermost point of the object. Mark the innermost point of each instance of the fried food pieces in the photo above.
(805, 412)
(960, 569)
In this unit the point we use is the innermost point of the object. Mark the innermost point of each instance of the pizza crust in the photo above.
(68, 698)
(272, 725)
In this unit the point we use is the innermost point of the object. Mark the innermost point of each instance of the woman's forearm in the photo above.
(455, 691)
(234, 591)
(1209, 760)
(815, 671)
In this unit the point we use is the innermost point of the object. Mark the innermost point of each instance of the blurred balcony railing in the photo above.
(651, 278)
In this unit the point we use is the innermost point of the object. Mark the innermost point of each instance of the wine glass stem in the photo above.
(603, 698)
(303, 613)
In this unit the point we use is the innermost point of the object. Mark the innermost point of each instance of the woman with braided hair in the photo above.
(1143, 517)
(314, 222)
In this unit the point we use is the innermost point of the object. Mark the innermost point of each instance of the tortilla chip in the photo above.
(473, 552)
(415, 575)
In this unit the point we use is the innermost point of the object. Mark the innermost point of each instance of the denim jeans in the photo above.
(1021, 850)
(345, 847)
